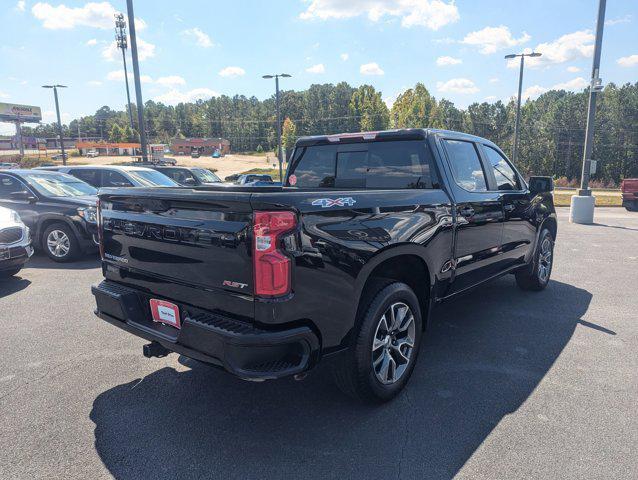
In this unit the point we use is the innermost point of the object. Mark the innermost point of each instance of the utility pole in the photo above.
(122, 44)
(57, 111)
(19, 137)
(279, 146)
(582, 205)
(517, 125)
(138, 84)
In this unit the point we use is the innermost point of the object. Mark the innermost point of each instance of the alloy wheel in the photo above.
(393, 343)
(545, 260)
(58, 243)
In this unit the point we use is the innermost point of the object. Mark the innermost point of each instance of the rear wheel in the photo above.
(380, 361)
(59, 243)
(631, 206)
(536, 275)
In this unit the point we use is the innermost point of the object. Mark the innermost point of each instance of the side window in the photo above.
(400, 164)
(8, 185)
(315, 167)
(506, 178)
(111, 178)
(90, 176)
(466, 165)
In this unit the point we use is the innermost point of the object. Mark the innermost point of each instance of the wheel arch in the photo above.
(46, 221)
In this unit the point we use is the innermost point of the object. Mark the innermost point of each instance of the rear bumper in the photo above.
(240, 348)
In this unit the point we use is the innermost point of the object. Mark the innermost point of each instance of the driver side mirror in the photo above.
(24, 196)
(541, 184)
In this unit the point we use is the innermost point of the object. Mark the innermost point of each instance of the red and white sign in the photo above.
(165, 312)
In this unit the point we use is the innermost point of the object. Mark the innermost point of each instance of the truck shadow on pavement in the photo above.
(484, 354)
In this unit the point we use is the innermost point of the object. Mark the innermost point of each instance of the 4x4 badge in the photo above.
(334, 202)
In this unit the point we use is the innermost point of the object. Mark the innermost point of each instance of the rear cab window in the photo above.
(400, 164)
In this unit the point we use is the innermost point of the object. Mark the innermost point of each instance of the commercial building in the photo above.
(205, 146)
(108, 149)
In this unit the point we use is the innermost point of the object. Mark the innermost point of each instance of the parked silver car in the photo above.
(15, 243)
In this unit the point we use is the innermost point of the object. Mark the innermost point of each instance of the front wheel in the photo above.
(384, 350)
(536, 275)
(59, 243)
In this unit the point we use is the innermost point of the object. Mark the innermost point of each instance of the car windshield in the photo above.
(205, 176)
(151, 178)
(59, 185)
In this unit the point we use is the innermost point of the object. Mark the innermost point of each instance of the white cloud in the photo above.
(49, 116)
(319, 68)
(630, 61)
(432, 14)
(145, 50)
(491, 39)
(232, 72)
(573, 69)
(97, 83)
(4, 94)
(494, 80)
(21, 6)
(371, 69)
(174, 97)
(533, 92)
(92, 42)
(491, 98)
(445, 61)
(577, 84)
(615, 21)
(570, 47)
(118, 76)
(457, 85)
(200, 38)
(171, 81)
(344, 57)
(92, 14)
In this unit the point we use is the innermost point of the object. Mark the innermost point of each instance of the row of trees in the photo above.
(552, 126)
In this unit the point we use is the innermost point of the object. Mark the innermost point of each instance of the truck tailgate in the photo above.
(179, 240)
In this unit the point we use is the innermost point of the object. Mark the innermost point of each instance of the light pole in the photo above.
(582, 205)
(138, 83)
(517, 125)
(122, 44)
(57, 111)
(279, 149)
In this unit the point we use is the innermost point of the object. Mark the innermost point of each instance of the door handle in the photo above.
(509, 207)
(467, 212)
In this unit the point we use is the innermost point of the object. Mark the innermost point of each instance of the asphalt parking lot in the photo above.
(509, 384)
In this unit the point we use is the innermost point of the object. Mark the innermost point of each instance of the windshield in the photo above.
(151, 178)
(205, 176)
(59, 185)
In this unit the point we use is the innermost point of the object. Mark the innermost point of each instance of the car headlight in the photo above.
(15, 217)
(88, 213)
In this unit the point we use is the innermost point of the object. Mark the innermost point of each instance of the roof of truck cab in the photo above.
(126, 168)
(397, 134)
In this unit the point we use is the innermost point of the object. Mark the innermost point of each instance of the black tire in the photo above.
(631, 207)
(9, 273)
(536, 275)
(72, 245)
(354, 372)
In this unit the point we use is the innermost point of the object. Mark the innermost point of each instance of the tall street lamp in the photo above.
(518, 105)
(57, 111)
(122, 44)
(279, 150)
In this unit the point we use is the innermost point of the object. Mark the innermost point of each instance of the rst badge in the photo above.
(334, 202)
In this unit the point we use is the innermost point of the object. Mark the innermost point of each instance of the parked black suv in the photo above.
(59, 209)
(347, 259)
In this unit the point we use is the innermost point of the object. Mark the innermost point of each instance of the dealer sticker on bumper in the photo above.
(165, 312)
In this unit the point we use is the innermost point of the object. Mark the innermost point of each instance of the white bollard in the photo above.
(582, 209)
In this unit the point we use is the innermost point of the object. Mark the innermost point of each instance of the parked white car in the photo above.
(15, 243)
(92, 153)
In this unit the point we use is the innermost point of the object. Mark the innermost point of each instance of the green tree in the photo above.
(414, 108)
(288, 135)
(116, 134)
(369, 109)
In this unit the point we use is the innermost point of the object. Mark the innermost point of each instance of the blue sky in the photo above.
(195, 48)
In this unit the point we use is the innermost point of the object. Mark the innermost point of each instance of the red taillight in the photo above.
(100, 236)
(272, 267)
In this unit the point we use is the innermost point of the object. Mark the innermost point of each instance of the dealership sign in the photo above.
(10, 112)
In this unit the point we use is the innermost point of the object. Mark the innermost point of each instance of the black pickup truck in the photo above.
(345, 260)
